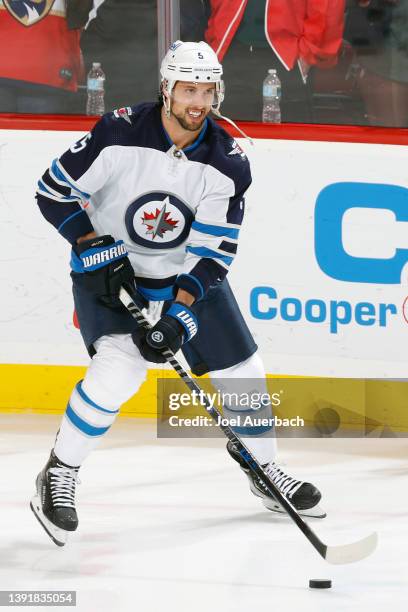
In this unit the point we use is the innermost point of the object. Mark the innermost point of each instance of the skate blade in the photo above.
(315, 512)
(57, 535)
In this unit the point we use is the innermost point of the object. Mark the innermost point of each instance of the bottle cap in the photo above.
(96, 64)
(272, 71)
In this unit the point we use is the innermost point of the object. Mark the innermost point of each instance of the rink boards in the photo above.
(361, 407)
(320, 275)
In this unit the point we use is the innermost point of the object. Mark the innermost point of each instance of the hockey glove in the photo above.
(105, 266)
(173, 329)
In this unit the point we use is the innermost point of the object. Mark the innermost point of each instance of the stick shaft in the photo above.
(245, 453)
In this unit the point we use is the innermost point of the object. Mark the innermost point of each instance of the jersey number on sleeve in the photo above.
(81, 144)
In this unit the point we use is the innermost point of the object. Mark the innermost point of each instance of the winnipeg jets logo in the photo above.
(236, 150)
(29, 12)
(123, 113)
(159, 222)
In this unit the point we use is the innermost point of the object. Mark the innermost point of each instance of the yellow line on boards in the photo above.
(45, 389)
(358, 403)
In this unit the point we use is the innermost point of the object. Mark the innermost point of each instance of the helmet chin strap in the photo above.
(216, 112)
(167, 86)
(167, 106)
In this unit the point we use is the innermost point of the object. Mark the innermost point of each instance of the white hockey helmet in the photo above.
(195, 62)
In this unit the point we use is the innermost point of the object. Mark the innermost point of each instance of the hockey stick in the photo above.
(347, 553)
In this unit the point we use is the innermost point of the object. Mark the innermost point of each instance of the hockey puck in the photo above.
(320, 583)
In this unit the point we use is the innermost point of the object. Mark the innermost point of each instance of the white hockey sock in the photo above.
(250, 373)
(83, 425)
(114, 375)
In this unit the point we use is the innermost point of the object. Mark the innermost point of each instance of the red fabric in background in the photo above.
(310, 29)
(38, 53)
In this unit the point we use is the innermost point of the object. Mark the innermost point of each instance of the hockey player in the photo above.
(165, 190)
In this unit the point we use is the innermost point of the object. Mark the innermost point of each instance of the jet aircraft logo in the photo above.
(236, 150)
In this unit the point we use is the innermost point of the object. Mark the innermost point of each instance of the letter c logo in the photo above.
(332, 203)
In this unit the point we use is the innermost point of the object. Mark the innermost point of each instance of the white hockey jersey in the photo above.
(178, 211)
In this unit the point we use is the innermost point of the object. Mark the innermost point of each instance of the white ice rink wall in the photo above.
(320, 275)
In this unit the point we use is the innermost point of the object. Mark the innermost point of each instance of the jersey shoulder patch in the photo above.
(226, 155)
(234, 158)
(236, 149)
(125, 113)
(232, 150)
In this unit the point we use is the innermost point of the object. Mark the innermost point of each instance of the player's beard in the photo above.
(189, 124)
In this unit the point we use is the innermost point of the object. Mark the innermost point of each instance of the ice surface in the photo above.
(170, 525)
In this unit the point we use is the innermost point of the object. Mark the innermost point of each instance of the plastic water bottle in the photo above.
(95, 104)
(271, 98)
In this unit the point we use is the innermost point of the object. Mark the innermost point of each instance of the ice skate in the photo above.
(54, 502)
(304, 496)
